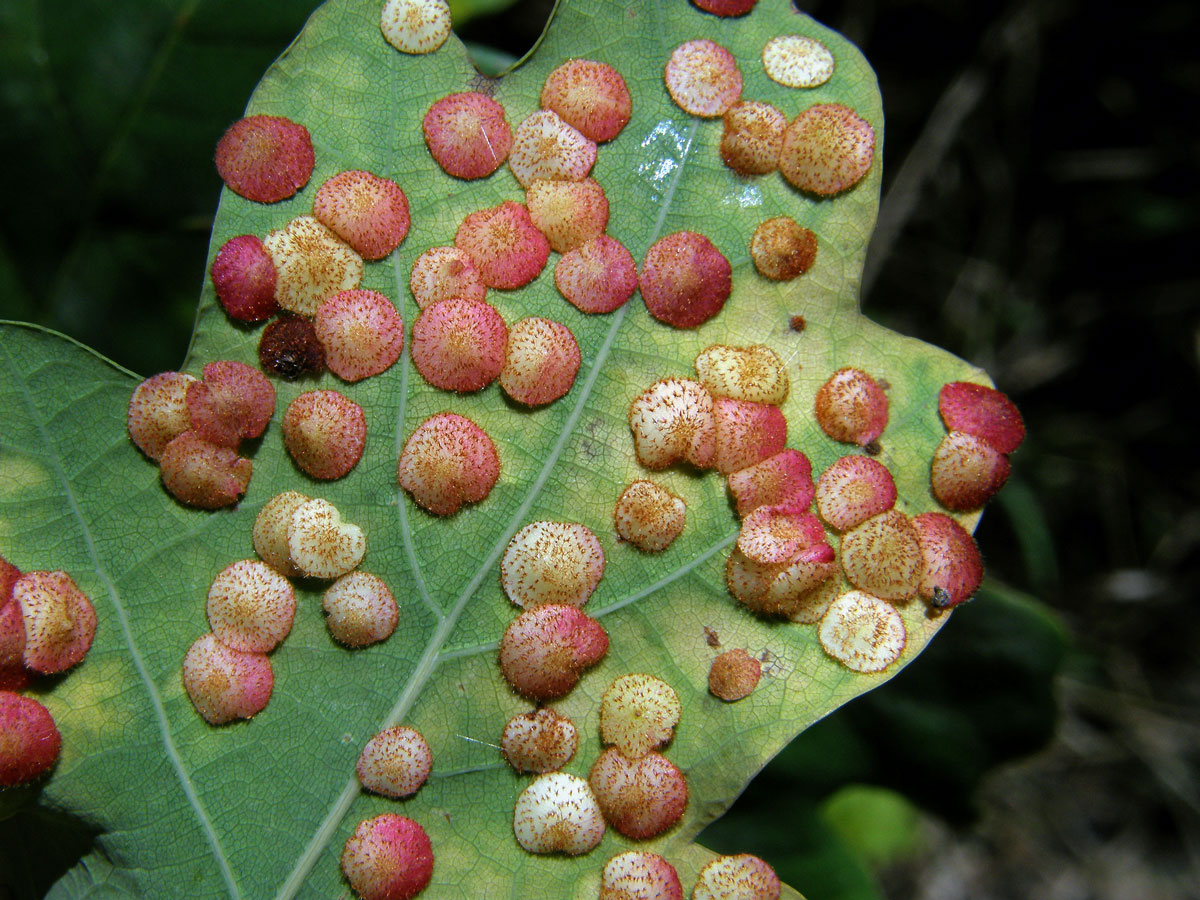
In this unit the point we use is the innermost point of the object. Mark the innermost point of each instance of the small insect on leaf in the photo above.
(289, 348)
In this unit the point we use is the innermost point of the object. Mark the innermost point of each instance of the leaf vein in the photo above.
(410, 551)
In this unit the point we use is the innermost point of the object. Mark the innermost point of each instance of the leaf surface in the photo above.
(262, 808)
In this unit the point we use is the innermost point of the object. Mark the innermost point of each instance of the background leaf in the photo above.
(217, 798)
(99, 122)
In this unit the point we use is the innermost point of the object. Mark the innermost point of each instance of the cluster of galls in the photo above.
(631, 786)
(310, 273)
(784, 564)
(46, 627)
(193, 429)
(637, 875)
(356, 215)
(227, 673)
(311, 268)
(460, 341)
(825, 150)
(251, 604)
(971, 462)
(551, 570)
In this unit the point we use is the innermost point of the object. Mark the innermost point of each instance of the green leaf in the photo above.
(262, 808)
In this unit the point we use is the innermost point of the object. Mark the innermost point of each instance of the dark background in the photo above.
(1039, 218)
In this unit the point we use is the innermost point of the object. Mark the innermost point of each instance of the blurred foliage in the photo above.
(880, 825)
(1041, 202)
(113, 110)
